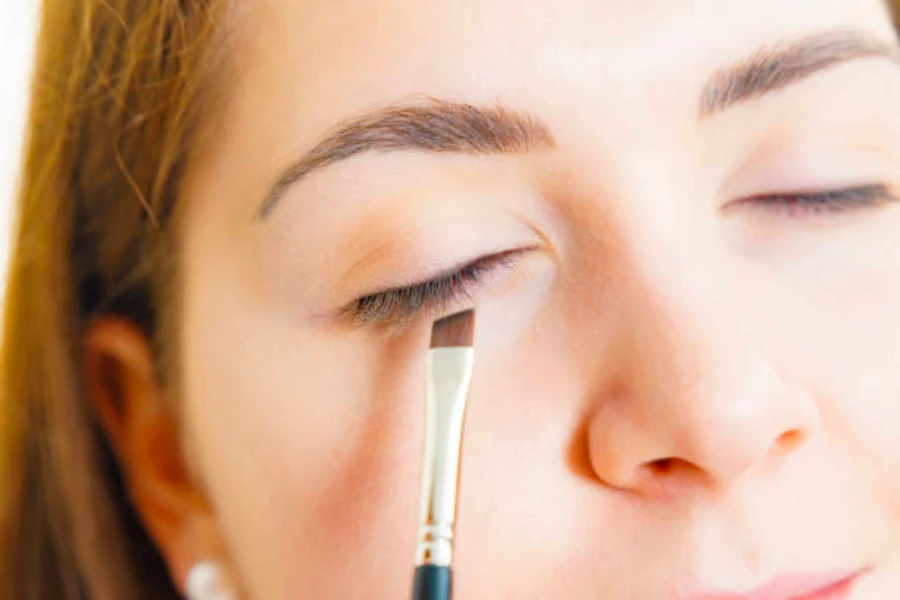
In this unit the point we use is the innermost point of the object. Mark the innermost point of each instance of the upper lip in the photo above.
(786, 587)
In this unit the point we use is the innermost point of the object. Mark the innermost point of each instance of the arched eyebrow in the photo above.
(451, 127)
(437, 126)
(778, 66)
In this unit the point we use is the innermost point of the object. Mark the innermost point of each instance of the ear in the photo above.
(142, 428)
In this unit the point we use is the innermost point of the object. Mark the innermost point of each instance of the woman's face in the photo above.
(686, 218)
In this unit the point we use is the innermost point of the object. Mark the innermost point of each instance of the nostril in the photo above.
(663, 466)
(668, 474)
(790, 440)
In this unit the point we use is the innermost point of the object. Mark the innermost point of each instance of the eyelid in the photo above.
(396, 306)
(823, 201)
(826, 164)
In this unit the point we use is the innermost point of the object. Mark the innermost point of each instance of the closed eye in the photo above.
(824, 203)
(400, 305)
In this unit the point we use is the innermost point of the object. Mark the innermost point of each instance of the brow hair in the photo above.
(438, 126)
(778, 66)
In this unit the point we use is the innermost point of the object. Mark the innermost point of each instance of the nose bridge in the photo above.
(681, 337)
(681, 329)
(695, 385)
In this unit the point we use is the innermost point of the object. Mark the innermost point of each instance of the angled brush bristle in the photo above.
(455, 331)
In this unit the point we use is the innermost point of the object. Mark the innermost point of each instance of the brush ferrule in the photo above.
(449, 377)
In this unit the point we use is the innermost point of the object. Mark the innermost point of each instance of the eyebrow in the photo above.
(778, 66)
(450, 127)
(438, 126)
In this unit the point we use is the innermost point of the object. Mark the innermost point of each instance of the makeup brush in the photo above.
(451, 360)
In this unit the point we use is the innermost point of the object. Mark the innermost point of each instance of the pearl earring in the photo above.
(207, 581)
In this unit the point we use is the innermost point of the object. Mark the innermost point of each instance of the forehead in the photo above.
(362, 51)
(300, 66)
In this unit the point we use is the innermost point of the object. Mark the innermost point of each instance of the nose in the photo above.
(692, 400)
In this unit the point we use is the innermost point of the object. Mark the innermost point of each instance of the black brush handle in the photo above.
(432, 583)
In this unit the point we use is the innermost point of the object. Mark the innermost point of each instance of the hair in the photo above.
(119, 90)
(118, 93)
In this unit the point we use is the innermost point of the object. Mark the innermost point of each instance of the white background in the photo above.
(18, 24)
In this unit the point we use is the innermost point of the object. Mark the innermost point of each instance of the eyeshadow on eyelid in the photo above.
(401, 305)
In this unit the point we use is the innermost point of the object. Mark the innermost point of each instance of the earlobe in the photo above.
(208, 581)
(198, 563)
(143, 431)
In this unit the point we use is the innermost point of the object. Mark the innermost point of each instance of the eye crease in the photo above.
(400, 305)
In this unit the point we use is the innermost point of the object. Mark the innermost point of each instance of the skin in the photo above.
(677, 392)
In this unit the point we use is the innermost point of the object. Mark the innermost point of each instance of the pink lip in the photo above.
(832, 586)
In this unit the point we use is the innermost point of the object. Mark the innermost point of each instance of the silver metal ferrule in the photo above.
(449, 377)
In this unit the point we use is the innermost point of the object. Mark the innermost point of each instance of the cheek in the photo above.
(308, 440)
(867, 413)
(862, 412)
(855, 349)
(309, 446)
(841, 328)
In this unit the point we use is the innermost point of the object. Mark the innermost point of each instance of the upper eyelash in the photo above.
(829, 201)
(399, 305)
